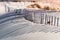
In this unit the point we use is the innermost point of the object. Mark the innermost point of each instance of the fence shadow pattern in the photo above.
(41, 17)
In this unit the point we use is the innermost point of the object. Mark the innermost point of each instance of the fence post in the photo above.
(45, 18)
(57, 21)
(51, 20)
(54, 21)
(34, 17)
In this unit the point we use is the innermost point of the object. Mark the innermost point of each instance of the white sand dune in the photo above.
(36, 36)
(18, 28)
(21, 29)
